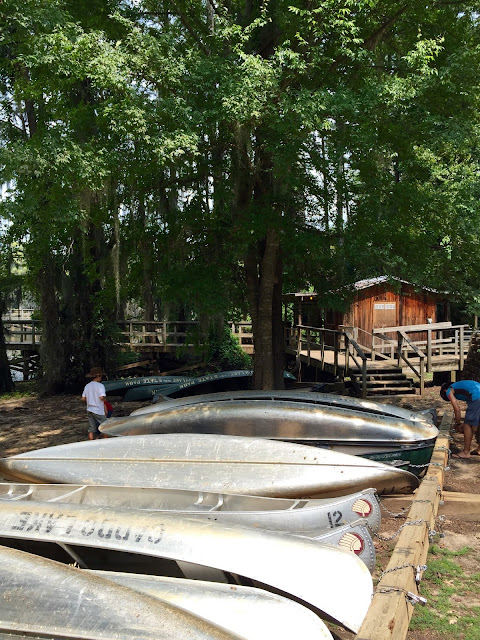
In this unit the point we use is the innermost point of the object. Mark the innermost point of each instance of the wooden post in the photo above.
(348, 348)
(164, 333)
(461, 347)
(309, 340)
(422, 376)
(399, 347)
(25, 365)
(364, 378)
(322, 348)
(429, 350)
(335, 353)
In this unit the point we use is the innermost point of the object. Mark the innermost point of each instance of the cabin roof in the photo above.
(358, 286)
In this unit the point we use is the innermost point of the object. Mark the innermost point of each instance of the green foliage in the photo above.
(225, 353)
(152, 147)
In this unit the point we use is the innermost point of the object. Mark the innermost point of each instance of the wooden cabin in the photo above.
(377, 302)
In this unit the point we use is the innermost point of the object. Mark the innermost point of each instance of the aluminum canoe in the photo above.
(202, 462)
(278, 514)
(41, 598)
(355, 538)
(316, 398)
(292, 417)
(333, 582)
(289, 417)
(254, 613)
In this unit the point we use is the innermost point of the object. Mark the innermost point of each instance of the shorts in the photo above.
(472, 414)
(94, 420)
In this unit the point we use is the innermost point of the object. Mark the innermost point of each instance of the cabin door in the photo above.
(384, 314)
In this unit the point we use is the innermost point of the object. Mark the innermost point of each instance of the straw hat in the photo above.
(95, 372)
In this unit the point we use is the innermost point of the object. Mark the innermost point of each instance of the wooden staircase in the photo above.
(382, 380)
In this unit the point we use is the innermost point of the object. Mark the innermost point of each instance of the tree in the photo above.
(164, 150)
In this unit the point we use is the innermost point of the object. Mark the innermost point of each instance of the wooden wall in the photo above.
(382, 306)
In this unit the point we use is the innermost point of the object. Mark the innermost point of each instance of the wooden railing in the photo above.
(23, 332)
(402, 339)
(315, 342)
(135, 334)
(438, 339)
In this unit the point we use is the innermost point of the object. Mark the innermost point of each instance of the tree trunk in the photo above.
(264, 282)
(51, 352)
(6, 382)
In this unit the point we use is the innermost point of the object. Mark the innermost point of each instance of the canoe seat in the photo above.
(199, 506)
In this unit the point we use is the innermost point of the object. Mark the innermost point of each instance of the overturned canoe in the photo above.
(40, 598)
(253, 613)
(202, 462)
(123, 385)
(288, 416)
(212, 382)
(336, 585)
(319, 398)
(278, 514)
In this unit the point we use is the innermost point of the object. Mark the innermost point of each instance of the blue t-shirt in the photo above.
(466, 390)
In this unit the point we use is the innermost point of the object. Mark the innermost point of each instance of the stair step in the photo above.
(385, 391)
(386, 376)
(387, 383)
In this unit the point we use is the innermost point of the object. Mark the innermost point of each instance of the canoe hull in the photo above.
(293, 516)
(314, 398)
(218, 464)
(287, 420)
(42, 584)
(247, 610)
(244, 551)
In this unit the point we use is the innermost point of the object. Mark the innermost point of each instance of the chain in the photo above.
(417, 568)
(442, 448)
(412, 598)
(400, 514)
(431, 532)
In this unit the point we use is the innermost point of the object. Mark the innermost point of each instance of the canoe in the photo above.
(253, 613)
(322, 577)
(41, 598)
(354, 537)
(316, 398)
(202, 462)
(278, 514)
(209, 383)
(121, 386)
(288, 416)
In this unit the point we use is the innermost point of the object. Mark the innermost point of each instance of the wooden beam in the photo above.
(414, 327)
(389, 614)
(454, 504)
(133, 365)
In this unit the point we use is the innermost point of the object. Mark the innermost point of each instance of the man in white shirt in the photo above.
(94, 395)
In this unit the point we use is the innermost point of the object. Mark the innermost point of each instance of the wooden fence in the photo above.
(135, 335)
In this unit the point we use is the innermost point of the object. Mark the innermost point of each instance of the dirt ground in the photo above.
(31, 422)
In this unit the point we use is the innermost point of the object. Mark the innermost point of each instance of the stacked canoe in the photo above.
(189, 535)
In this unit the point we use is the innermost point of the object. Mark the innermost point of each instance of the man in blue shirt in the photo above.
(467, 391)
